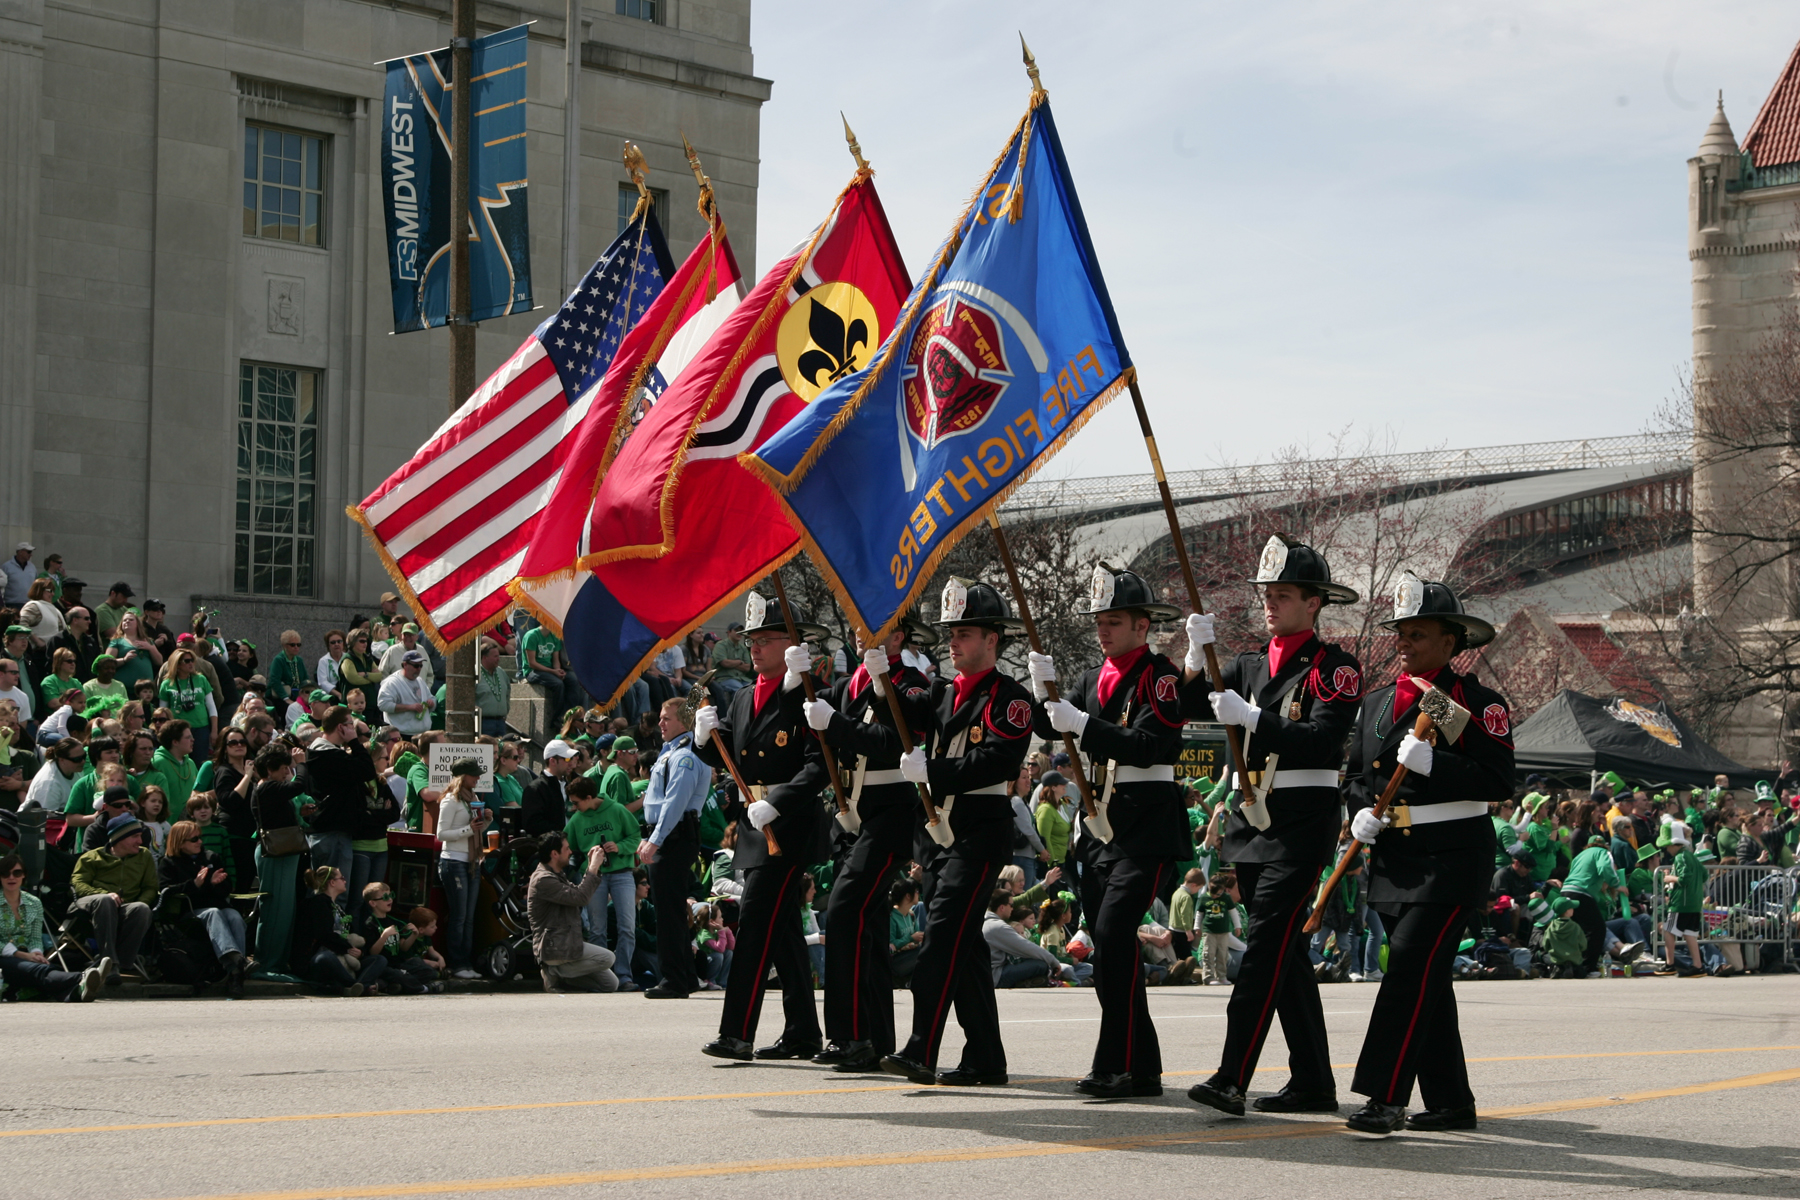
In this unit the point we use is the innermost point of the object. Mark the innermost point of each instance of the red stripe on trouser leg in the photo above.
(1419, 1004)
(761, 980)
(862, 922)
(976, 899)
(1262, 1019)
(1138, 984)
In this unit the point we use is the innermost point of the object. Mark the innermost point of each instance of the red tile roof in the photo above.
(1619, 669)
(1774, 136)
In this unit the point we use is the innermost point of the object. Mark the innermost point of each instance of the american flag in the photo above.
(452, 525)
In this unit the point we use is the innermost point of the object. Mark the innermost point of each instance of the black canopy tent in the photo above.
(1577, 734)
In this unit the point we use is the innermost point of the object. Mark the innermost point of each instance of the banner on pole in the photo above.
(415, 183)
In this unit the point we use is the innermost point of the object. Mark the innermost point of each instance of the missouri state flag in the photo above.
(678, 527)
(1006, 346)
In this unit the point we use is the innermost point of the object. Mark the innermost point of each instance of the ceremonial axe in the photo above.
(1438, 714)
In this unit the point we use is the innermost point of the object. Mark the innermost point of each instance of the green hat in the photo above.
(1645, 853)
(620, 743)
(1764, 789)
(16, 629)
(100, 658)
(320, 694)
(1598, 840)
(1563, 904)
(1612, 777)
(409, 627)
(1534, 801)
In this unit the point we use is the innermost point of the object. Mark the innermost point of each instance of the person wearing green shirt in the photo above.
(1565, 941)
(105, 685)
(1539, 838)
(604, 822)
(118, 603)
(509, 792)
(493, 695)
(412, 768)
(186, 693)
(544, 666)
(1592, 880)
(615, 782)
(1686, 901)
(731, 660)
(289, 678)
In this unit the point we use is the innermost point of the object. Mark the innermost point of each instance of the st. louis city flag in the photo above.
(453, 523)
(1005, 348)
(668, 336)
(679, 528)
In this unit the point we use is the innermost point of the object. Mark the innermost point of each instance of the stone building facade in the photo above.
(197, 371)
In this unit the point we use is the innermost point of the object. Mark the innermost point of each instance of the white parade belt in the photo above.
(871, 778)
(758, 791)
(1161, 773)
(1298, 778)
(1430, 814)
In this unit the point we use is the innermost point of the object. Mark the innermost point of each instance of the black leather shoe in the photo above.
(1440, 1120)
(1228, 1098)
(1147, 1086)
(1287, 1100)
(1378, 1118)
(1105, 1085)
(964, 1077)
(899, 1064)
(860, 1058)
(782, 1048)
(833, 1054)
(725, 1047)
(659, 992)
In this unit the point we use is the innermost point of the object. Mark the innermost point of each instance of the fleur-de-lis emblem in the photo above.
(835, 346)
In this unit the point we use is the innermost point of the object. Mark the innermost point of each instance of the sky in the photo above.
(1444, 225)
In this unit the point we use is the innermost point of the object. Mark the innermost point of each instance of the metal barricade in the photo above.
(1746, 908)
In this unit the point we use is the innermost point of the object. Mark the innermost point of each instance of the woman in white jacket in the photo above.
(459, 829)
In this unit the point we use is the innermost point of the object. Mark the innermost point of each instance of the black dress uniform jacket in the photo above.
(997, 718)
(1138, 726)
(1447, 862)
(777, 748)
(888, 811)
(1303, 822)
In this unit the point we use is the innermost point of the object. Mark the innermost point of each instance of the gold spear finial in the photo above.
(862, 166)
(709, 212)
(637, 169)
(1031, 68)
(693, 158)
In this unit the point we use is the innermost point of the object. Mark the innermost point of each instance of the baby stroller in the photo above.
(502, 928)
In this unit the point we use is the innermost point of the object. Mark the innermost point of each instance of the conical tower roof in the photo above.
(1719, 139)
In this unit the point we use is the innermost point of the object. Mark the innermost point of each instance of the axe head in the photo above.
(699, 695)
(1446, 714)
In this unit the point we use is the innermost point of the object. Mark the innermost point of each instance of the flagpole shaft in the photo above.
(806, 681)
(1234, 737)
(906, 744)
(1031, 635)
(459, 688)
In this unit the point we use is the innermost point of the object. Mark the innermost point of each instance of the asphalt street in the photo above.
(1674, 1086)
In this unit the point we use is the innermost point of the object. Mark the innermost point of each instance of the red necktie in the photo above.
(964, 684)
(766, 686)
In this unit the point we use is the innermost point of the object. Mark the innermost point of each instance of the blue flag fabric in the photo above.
(415, 183)
(1005, 348)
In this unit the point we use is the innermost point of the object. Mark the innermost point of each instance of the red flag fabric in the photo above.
(681, 527)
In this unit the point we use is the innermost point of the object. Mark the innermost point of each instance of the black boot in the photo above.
(860, 1058)
(1228, 1098)
(729, 1047)
(1441, 1120)
(1291, 1100)
(918, 1072)
(1378, 1118)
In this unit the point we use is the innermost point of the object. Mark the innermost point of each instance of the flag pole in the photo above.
(806, 681)
(1031, 635)
(459, 688)
(1234, 737)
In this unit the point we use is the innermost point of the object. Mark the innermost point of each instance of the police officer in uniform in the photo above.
(983, 730)
(1295, 699)
(884, 813)
(780, 762)
(1431, 858)
(1125, 717)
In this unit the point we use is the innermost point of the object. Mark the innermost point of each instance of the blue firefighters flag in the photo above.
(1004, 349)
(415, 183)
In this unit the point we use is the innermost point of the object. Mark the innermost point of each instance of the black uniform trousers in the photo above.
(859, 979)
(671, 879)
(1128, 1043)
(1276, 979)
(769, 934)
(956, 968)
(1412, 1031)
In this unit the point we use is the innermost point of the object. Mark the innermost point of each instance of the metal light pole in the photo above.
(459, 715)
(573, 36)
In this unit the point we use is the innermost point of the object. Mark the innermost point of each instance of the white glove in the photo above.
(1043, 671)
(1065, 717)
(798, 660)
(1365, 827)
(761, 813)
(912, 765)
(1233, 709)
(1200, 636)
(818, 713)
(705, 721)
(1414, 755)
(875, 661)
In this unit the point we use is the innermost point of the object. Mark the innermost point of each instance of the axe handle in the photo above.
(806, 681)
(745, 795)
(906, 742)
(1422, 729)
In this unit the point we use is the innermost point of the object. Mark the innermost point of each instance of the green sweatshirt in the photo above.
(175, 778)
(1564, 942)
(412, 768)
(901, 927)
(1540, 839)
(1181, 912)
(615, 784)
(1689, 895)
(1591, 873)
(607, 821)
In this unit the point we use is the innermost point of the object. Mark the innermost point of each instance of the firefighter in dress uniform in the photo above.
(1125, 717)
(983, 729)
(780, 762)
(1430, 861)
(1295, 698)
(884, 816)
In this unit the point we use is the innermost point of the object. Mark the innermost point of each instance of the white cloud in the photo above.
(1463, 222)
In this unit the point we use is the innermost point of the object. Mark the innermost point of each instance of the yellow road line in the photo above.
(1309, 1129)
(284, 1118)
